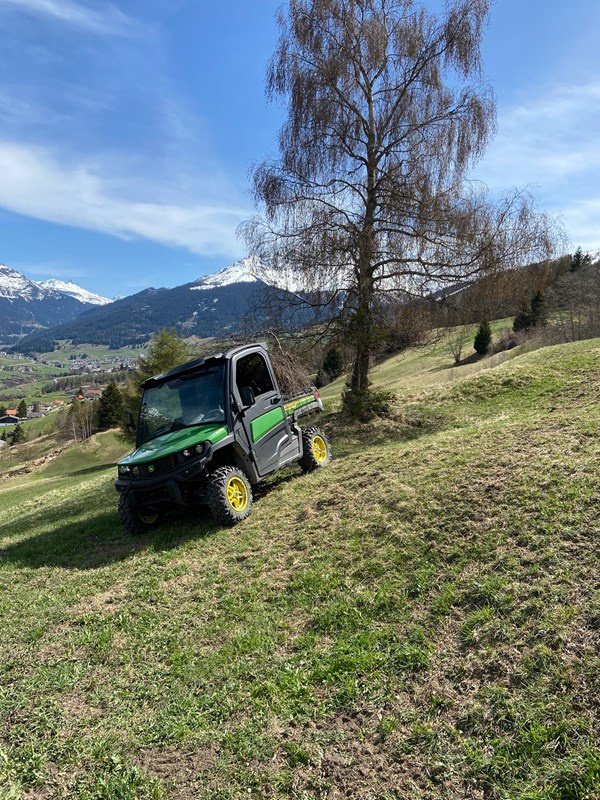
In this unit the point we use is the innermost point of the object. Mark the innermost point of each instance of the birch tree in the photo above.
(369, 199)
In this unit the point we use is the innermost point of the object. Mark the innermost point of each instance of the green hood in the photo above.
(174, 442)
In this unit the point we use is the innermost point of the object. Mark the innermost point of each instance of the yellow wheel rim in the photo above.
(319, 449)
(148, 519)
(237, 494)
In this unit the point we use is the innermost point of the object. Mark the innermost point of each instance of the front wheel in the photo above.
(316, 450)
(229, 495)
(136, 521)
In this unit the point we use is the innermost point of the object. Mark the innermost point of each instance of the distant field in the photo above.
(418, 621)
(16, 386)
(67, 349)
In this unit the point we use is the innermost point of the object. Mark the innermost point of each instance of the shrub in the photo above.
(366, 405)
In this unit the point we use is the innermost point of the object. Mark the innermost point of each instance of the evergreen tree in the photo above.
(538, 310)
(2, 411)
(18, 435)
(166, 350)
(332, 363)
(579, 260)
(483, 338)
(331, 367)
(22, 410)
(533, 316)
(110, 411)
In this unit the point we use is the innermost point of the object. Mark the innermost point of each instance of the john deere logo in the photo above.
(151, 468)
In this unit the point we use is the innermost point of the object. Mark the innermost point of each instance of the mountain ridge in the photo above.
(27, 305)
(222, 303)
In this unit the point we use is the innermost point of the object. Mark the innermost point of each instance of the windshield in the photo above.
(191, 400)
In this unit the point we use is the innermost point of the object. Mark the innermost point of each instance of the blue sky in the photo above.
(127, 129)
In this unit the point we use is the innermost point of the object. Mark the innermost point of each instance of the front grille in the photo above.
(163, 465)
(156, 468)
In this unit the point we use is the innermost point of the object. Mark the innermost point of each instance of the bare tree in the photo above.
(81, 420)
(457, 341)
(574, 303)
(369, 201)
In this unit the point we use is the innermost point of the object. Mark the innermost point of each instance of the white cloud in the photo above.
(551, 146)
(85, 195)
(582, 219)
(103, 19)
(545, 141)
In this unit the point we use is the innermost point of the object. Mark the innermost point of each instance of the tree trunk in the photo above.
(363, 334)
(363, 319)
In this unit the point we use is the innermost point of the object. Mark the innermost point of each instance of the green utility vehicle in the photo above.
(210, 430)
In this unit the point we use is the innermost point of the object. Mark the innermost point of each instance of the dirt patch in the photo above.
(183, 770)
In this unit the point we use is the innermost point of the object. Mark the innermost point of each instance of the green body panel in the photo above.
(174, 442)
(294, 405)
(265, 423)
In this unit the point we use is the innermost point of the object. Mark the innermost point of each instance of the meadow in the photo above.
(418, 621)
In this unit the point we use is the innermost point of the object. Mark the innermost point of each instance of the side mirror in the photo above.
(247, 396)
(131, 425)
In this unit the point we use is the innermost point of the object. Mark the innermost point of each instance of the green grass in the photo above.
(420, 620)
(431, 364)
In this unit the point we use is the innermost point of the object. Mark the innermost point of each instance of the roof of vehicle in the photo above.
(198, 363)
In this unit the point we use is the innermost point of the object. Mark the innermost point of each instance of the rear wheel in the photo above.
(229, 495)
(316, 450)
(136, 521)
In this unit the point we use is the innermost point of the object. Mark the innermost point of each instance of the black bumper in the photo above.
(165, 487)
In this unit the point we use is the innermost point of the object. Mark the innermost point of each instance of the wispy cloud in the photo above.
(103, 18)
(551, 145)
(93, 196)
(550, 138)
(52, 269)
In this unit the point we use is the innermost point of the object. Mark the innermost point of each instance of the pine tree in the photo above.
(2, 411)
(22, 410)
(579, 260)
(538, 310)
(331, 367)
(483, 338)
(532, 316)
(166, 350)
(332, 363)
(110, 411)
(18, 435)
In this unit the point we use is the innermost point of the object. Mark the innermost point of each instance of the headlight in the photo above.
(124, 470)
(193, 451)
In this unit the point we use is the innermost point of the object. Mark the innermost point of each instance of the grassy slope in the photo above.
(417, 621)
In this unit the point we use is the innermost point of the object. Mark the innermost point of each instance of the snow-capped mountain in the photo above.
(73, 290)
(251, 270)
(13, 285)
(27, 306)
(241, 272)
(236, 297)
(594, 255)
